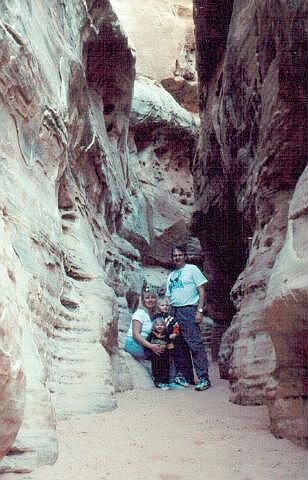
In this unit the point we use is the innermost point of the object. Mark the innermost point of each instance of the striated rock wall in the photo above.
(250, 188)
(163, 157)
(12, 373)
(286, 317)
(91, 198)
(53, 187)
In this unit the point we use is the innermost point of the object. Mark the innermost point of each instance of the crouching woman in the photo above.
(136, 342)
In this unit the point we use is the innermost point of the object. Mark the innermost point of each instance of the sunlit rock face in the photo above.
(252, 207)
(60, 202)
(95, 176)
(12, 375)
(162, 33)
(286, 318)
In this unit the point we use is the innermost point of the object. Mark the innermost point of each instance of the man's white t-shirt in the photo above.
(182, 285)
(146, 323)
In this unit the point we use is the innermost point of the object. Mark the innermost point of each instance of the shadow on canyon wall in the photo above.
(100, 175)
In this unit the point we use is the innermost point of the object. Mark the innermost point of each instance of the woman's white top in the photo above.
(146, 323)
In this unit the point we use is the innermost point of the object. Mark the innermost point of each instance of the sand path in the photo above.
(173, 435)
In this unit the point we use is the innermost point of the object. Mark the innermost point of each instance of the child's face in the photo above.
(160, 327)
(164, 306)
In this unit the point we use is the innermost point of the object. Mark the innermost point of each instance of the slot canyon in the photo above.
(128, 127)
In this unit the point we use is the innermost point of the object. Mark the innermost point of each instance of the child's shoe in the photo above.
(175, 386)
(181, 381)
(162, 386)
(203, 384)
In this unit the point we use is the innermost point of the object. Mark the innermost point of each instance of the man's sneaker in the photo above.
(162, 386)
(175, 386)
(203, 384)
(181, 381)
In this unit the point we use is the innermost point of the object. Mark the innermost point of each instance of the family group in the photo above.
(165, 329)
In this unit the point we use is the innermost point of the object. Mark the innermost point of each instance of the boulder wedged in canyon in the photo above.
(251, 61)
(72, 181)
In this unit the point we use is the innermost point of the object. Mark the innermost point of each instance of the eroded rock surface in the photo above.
(287, 321)
(162, 34)
(250, 186)
(12, 375)
(88, 195)
(52, 188)
(161, 143)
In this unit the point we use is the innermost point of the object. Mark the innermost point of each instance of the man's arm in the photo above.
(201, 303)
(167, 292)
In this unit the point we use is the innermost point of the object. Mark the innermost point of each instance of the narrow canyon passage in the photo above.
(173, 435)
(127, 128)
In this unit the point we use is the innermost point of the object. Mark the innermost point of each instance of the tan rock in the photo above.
(157, 31)
(12, 377)
(53, 187)
(251, 154)
(77, 214)
(162, 136)
(162, 35)
(287, 321)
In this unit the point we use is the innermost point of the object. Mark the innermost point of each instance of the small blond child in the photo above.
(172, 327)
(160, 363)
(172, 331)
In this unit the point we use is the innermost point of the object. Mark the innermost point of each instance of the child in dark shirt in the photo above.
(169, 330)
(160, 363)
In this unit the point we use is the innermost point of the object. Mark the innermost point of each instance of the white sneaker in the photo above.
(175, 386)
(162, 386)
(181, 381)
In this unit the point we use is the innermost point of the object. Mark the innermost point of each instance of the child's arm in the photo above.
(143, 341)
(176, 329)
(168, 322)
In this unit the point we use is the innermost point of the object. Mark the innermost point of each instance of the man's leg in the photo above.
(172, 369)
(182, 359)
(191, 333)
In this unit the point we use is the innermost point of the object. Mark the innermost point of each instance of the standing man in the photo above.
(186, 290)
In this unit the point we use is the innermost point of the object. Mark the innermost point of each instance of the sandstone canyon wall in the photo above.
(162, 34)
(95, 185)
(251, 186)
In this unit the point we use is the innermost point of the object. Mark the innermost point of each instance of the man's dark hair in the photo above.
(182, 247)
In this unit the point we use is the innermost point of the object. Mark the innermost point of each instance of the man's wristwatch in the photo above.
(200, 310)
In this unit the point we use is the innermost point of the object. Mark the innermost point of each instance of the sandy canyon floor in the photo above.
(173, 435)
